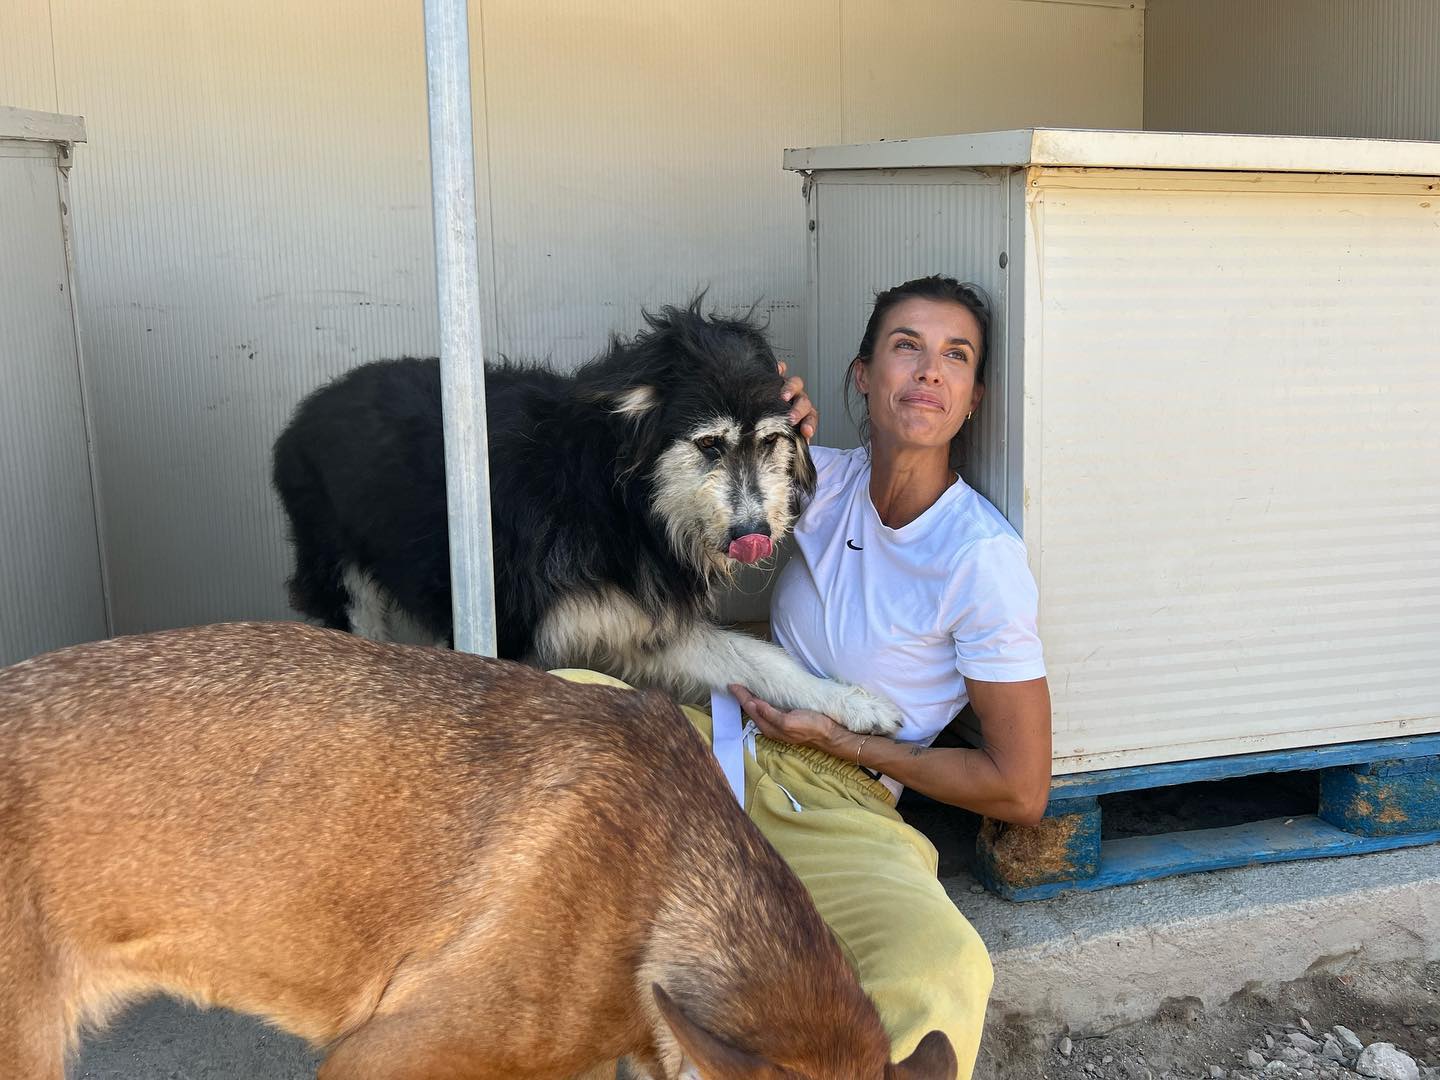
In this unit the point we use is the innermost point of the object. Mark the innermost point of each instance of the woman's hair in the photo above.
(936, 287)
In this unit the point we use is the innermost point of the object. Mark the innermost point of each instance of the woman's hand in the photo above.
(802, 410)
(803, 727)
(1007, 778)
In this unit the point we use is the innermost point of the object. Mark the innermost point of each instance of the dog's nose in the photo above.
(750, 528)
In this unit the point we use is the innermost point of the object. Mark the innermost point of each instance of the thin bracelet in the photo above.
(863, 741)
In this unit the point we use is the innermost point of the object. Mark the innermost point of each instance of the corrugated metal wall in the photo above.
(1368, 68)
(253, 216)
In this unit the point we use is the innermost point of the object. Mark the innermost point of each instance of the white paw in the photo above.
(865, 713)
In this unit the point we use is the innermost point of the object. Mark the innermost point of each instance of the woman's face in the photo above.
(920, 381)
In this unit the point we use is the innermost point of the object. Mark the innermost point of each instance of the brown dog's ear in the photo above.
(712, 1058)
(933, 1059)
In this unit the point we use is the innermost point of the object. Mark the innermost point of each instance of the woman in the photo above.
(909, 583)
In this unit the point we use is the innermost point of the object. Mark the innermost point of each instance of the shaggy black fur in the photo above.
(361, 473)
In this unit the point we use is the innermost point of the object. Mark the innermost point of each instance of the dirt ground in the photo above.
(1396, 1004)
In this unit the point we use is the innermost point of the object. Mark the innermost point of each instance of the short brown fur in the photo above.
(432, 865)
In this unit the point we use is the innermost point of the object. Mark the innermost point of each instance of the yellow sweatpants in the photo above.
(873, 879)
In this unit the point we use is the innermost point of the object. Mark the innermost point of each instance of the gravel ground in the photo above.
(1379, 1024)
(1313, 1029)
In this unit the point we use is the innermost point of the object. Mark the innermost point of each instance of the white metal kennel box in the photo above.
(52, 588)
(1213, 412)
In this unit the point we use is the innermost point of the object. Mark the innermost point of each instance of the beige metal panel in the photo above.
(1235, 453)
(1308, 67)
(51, 589)
(27, 61)
(634, 161)
(875, 230)
(931, 67)
(253, 219)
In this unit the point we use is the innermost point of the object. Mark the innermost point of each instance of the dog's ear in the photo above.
(633, 411)
(933, 1059)
(634, 402)
(710, 1057)
(637, 409)
(802, 472)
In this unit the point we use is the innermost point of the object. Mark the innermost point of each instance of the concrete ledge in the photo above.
(1095, 961)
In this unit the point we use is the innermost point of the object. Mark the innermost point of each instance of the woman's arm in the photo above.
(1008, 779)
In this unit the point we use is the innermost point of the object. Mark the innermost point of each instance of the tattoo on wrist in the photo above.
(918, 750)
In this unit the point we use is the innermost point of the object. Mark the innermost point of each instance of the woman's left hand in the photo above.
(802, 410)
(803, 727)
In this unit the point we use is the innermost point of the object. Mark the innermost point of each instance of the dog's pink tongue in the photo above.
(751, 547)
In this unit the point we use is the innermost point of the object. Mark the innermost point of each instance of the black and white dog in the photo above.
(622, 496)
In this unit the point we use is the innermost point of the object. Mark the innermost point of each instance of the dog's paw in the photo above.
(865, 713)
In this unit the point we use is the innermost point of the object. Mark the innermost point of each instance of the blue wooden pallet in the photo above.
(1374, 796)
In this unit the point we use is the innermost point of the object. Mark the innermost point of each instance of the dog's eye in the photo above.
(771, 439)
(709, 446)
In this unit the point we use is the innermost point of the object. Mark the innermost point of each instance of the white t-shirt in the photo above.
(910, 612)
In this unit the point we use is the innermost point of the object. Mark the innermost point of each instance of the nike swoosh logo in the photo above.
(853, 546)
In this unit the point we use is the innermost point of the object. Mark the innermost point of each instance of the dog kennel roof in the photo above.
(1130, 150)
(40, 126)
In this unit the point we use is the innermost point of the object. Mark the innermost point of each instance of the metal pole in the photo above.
(462, 371)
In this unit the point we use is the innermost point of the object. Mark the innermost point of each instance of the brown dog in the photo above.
(432, 864)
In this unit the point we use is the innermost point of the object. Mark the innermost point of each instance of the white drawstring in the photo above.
(794, 802)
